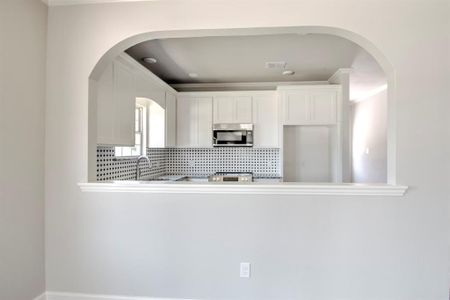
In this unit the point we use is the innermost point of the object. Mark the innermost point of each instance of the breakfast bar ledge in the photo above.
(255, 188)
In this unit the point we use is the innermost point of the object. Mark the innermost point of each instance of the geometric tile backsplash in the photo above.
(111, 168)
(200, 162)
(207, 161)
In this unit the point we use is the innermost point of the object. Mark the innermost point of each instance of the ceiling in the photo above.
(242, 59)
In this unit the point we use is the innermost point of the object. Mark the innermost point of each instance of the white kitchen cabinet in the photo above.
(171, 120)
(224, 109)
(105, 107)
(204, 122)
(148, 87)
(265, 120)
(186, 121)
(125, 105)
(243, 109)
(194, 121)
(309, 105)
(116, 104)
(232, 108)
(323, 106)
(296, 107)
(122, 84)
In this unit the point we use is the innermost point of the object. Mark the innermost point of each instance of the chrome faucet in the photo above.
(138, 171)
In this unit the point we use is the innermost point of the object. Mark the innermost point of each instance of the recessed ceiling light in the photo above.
(288, 72)
(150, 60)
(193, 75)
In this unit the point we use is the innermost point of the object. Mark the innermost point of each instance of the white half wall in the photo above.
(300, 247)
(23, 27)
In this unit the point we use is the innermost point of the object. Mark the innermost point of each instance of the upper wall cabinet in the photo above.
(194, 121)
(148, 87)
(265, 119)
(232, 108)
(116, 105)
(123, 83)
(171, 119)
(309, 105)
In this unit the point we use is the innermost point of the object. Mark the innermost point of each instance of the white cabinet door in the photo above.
(105, 107)
(314, 105)
(232, 109)
(323, 106)
(265, 120)
(194, 121)
(124, 104)
(224, 109)
(116, 103)
(204, 119)
(146, 87)
(187, 125)
(243, 108)
(171, 120)
(296, 107)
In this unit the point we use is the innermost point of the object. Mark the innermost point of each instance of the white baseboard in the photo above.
(77, 296)
(41, 297)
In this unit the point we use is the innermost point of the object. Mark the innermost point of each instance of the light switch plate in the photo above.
(245, 270)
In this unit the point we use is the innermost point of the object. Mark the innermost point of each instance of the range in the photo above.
(231, 177)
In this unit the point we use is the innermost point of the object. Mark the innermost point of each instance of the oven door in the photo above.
(232, 138)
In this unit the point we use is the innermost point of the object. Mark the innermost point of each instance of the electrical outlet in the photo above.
(245, 270)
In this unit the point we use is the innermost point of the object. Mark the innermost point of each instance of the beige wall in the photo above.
(23, 26)
(300, 247)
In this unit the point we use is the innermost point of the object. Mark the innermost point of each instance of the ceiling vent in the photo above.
(275, 65)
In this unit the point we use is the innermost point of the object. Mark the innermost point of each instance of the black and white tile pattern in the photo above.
(207, 161)
(111, 168)
(190, 162)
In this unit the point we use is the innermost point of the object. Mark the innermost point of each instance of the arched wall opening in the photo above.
(353, 37)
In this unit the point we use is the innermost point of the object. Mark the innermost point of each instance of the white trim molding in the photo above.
(284, 188)
(334, 79)
(41, 297)
(78, 296)
(239, 86)
(81, 2)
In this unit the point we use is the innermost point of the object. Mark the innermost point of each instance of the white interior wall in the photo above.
(369, 139)
(23, 27)
(300, 247)
(307, 154)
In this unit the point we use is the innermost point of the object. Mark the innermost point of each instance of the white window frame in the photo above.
(140, 129)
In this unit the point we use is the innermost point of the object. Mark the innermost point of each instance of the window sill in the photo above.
(282, 188)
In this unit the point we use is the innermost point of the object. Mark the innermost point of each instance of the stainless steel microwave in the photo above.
(233, 135)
